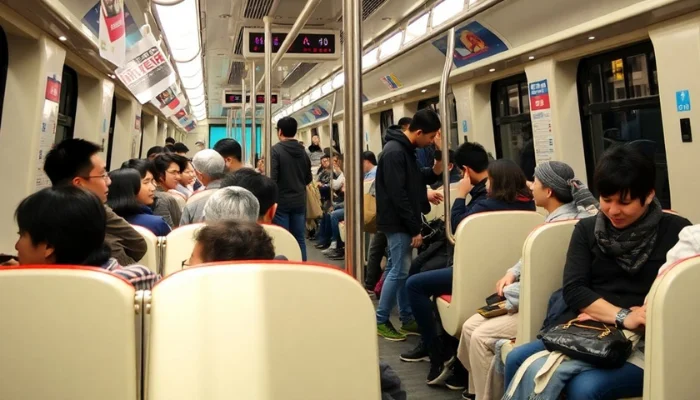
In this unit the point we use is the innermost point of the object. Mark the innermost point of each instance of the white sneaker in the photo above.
(331, 248)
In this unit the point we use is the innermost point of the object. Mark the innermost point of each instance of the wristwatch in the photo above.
(620, 317)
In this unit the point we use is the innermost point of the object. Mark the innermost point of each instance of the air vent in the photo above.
(237, 72)
(239, 43)
(256, 9)
(370, 6)
(298, 73)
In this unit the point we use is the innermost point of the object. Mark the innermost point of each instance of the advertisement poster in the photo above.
(91, 20)
(106, 112)
(541, 115)
(147, 72)
(112, 31)
(189, 127)
(392, 81)
(49, 118)
(170, 101)
(473, 42)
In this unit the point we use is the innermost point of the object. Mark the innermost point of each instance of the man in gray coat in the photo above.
(209, 167)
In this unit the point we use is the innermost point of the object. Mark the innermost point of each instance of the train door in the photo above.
(4, 62)
(619, 98)
(336, 138)
(110, 138)
(386, 119)
(67, 105)
(510, 107)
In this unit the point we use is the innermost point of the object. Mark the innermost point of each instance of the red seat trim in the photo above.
(446, 297)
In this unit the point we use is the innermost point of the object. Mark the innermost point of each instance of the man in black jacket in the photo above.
(291, 170)
(402, 197)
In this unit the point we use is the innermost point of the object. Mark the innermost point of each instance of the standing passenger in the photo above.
(231, 151)
(291, 169)
(401, 198)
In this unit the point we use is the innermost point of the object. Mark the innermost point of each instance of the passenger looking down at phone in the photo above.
(557, 190)
(611, 264)
(507, 191)
(78, 162)
(74, 236)
(455, 173)
(232, 202)
(231, 240)
(401, 198)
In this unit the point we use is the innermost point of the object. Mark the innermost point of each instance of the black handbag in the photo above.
(596, 343)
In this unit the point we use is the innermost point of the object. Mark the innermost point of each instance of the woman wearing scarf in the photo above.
(555, 189)
(611, 264)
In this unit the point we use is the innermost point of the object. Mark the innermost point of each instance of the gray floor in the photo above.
(412, 374)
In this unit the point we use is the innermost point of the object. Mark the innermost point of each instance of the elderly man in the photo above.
(209, 167)
(232, 202)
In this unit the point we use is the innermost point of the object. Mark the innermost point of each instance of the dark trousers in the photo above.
(377, 250)
(420, 287)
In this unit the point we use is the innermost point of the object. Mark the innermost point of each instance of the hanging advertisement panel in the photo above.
(170, 101)
(112, 32)
(147, 72)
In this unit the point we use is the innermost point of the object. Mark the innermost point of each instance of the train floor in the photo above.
(412, 374)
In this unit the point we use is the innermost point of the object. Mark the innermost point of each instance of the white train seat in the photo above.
(68, 333)
(177, 247)
(487, 244)
(671, 349)
(152, 257)
(251, 331)
(284, 242)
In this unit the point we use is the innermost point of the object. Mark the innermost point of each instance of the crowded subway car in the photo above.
(345, 199)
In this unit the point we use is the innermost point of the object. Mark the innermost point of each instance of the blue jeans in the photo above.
(323, 236)
(294, 221)
(420, 287)
(336, 217)
(396, 271)
(595, 384)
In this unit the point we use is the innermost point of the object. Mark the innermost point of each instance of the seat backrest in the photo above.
(67, 333)
(178, 247)
(487, 244)
(261, 331)
(671, 351)
(284, 242)
(543, 256)
(151, 258)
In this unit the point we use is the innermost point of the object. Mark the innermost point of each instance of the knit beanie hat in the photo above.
(560, 177)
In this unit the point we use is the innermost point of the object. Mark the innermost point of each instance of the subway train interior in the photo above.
(339, 282)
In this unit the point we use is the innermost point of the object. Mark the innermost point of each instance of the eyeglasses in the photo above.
(104, 176)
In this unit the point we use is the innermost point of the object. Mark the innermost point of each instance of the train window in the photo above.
(512, 128)
(67, 105)
(110, 139)
(619, 97)
(336, 138)
(4, 62)
(314, 131)
(432, 102)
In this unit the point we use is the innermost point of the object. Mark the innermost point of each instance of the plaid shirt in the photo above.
(141, 277)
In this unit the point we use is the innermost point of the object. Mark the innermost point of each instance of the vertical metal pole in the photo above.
(267, 119)
(244, 156)
(444, 119)
(253, 133)
(352, 122)
(228, 124)
(331, 150)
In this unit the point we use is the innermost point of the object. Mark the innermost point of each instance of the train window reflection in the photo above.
(620, 104)
(67, 105)
(511, 122)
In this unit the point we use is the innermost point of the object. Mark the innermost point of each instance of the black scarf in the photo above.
(631, 246)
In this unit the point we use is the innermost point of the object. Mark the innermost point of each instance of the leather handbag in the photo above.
(596, 343)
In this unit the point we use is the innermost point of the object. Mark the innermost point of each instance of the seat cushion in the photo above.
(447, 297)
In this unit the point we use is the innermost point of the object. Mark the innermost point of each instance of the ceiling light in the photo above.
(492, 70)
(424, 90)
(531, 58)
(112, 76)
(62, 38)
(591, 38)
(180, 25)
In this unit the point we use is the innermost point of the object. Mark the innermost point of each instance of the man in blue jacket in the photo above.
(402, 197)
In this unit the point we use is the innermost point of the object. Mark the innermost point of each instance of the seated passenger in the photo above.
(232, 203)
(507, 191)
(163, 203)
(688, 246)
(209, 167)
(185, 185)
(168, 169)
(231, 240)
(263, 188)
(455, 173)
(67, 225)
(78, 162)
(369, 165)
(556, 190)
(231, 151)
(181, 149)
(130, 197)
(314, 151)
(611, 264)
(153, 152)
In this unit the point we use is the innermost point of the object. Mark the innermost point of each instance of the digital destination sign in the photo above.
(235, 98)
(312, 43)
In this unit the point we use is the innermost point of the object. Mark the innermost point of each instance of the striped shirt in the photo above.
(141, 277)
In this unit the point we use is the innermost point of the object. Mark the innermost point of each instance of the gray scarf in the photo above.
(631, 246)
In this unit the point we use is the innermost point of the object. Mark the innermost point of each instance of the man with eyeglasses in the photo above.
(78, 162)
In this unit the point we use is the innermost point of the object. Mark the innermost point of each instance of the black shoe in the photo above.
(459, 378)
(468, 396)
(455, 383)
(420, 353)
(337, 254)
(439, 372)
(322, 246)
